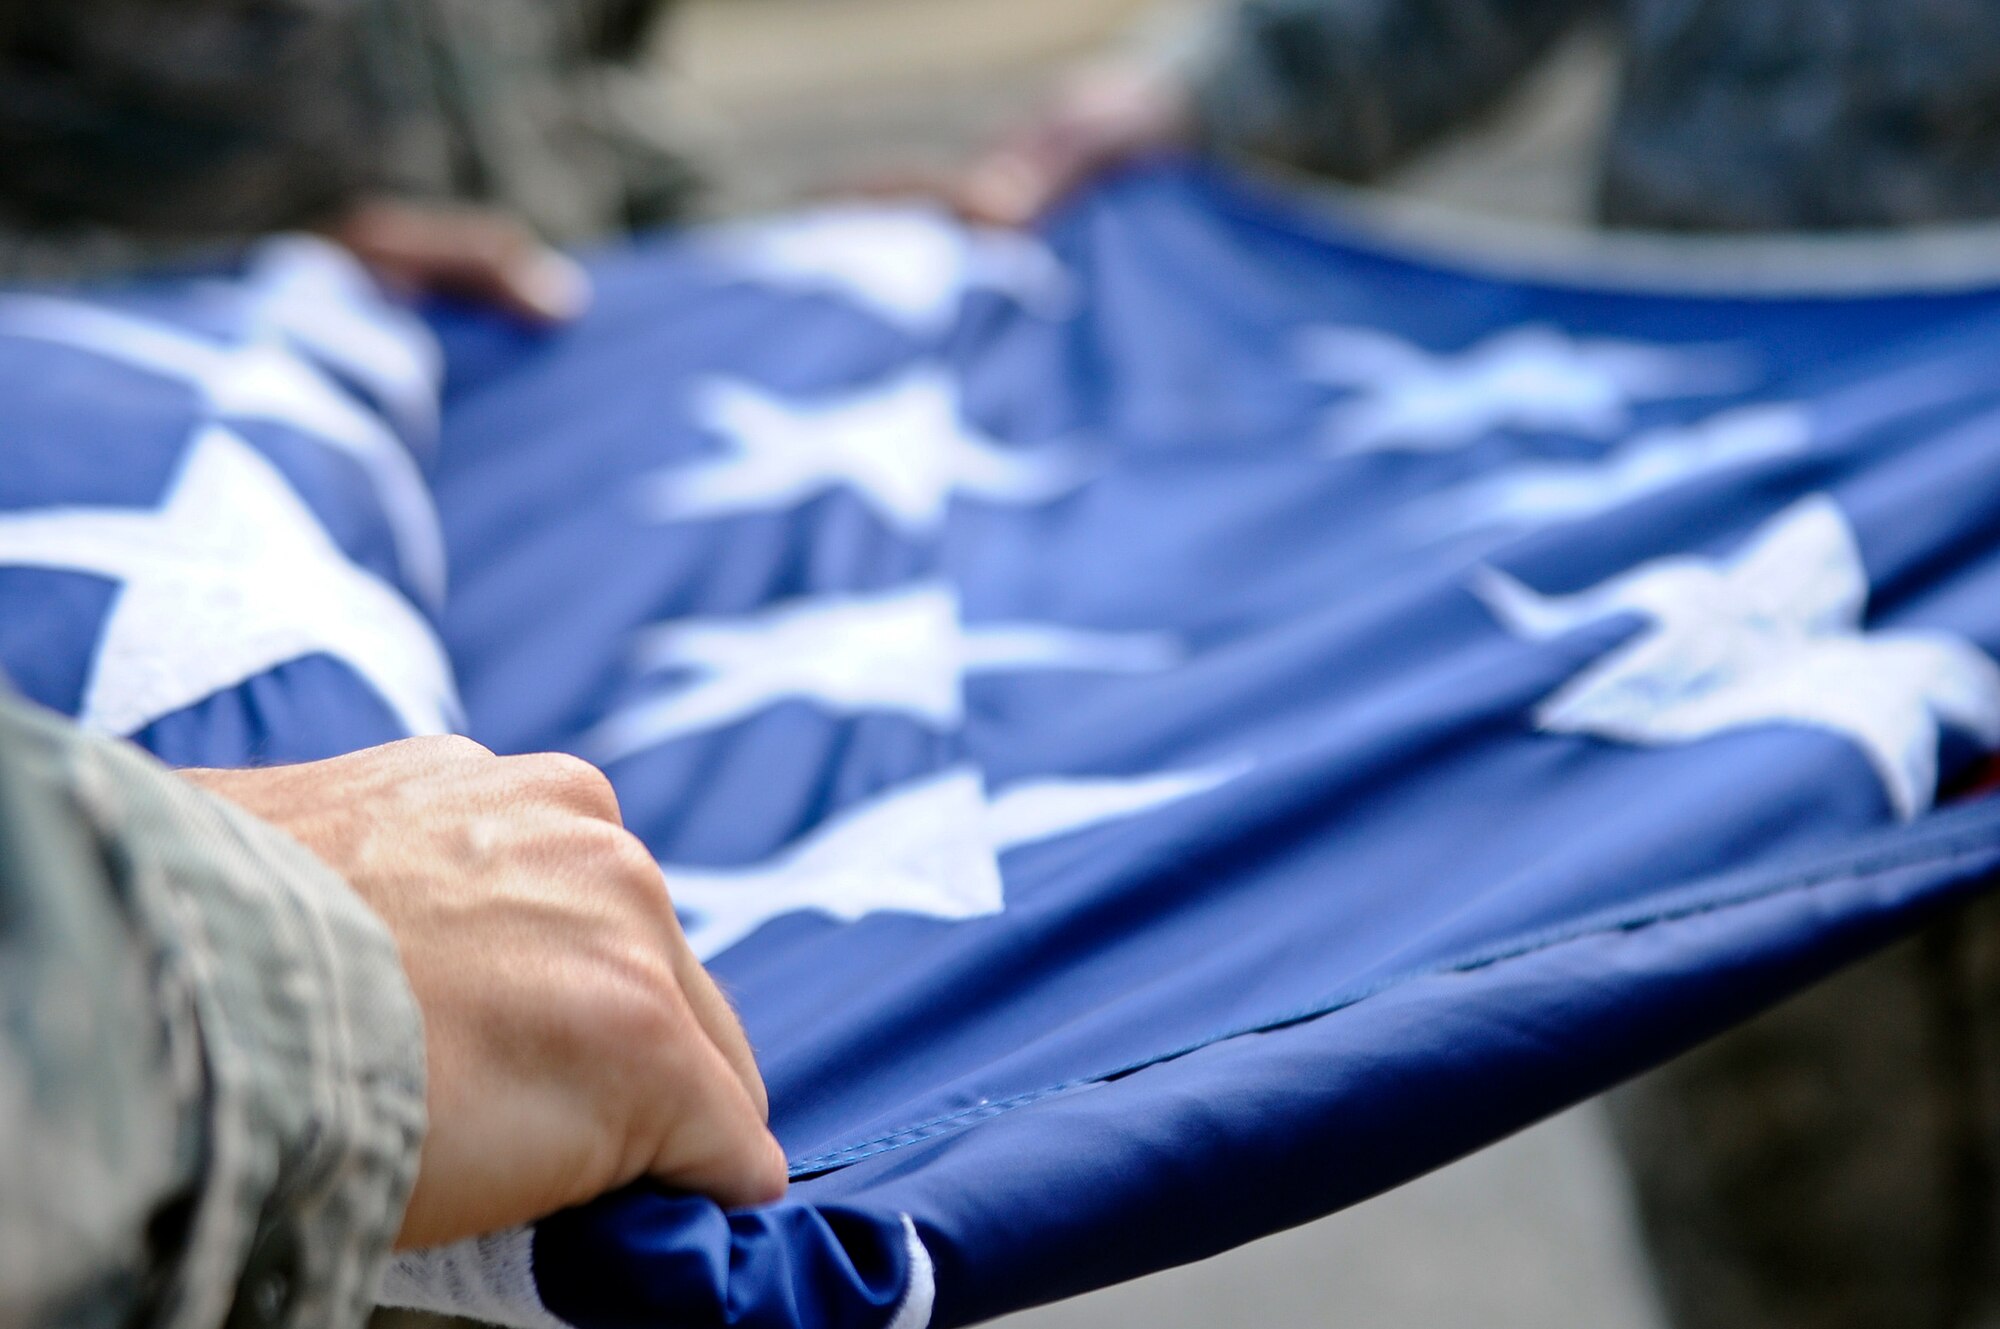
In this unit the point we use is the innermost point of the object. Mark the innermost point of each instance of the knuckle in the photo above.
(575, 782)
(634, 864)
(640, 1008)
(450, 748)
(618, 862)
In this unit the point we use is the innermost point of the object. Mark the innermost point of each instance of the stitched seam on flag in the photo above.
(1961, 845)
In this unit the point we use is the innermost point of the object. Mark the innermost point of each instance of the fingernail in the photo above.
(557, 286)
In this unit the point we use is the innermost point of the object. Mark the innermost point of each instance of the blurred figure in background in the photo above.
(446, 142)
(1784, 114)
(227, 1126)
(1836, 1164)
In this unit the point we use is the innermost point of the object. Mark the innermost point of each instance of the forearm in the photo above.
(1353, 87)
(228, 1105)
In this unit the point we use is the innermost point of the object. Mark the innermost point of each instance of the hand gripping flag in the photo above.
(1165, 728)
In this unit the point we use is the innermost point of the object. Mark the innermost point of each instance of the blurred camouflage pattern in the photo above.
(1732, 116)
(145, 130)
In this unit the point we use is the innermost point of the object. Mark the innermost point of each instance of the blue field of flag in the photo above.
(1165, 728)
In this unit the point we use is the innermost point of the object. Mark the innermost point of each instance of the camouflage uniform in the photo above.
(211, 1067)
(1835, 1164)
(1732, 114)
(143, 131)
(211, 1072)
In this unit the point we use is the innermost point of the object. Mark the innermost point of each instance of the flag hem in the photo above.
(1937, 258)
(1855, 864)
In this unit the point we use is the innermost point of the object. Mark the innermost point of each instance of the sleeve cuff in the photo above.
(310, 1049)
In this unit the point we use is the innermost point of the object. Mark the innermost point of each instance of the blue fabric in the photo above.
(102, 421)
(1405, 846)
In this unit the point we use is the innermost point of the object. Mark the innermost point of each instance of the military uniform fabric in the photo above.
(211, 1065)
(136, 133)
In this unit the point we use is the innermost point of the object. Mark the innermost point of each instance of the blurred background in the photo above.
(781, 100)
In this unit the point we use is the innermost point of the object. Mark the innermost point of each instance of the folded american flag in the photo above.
(1166, 728)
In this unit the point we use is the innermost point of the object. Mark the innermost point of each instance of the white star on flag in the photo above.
(232, 576)
(1532, 377)
(1542, 492)
(903, 650)
(902, 447)
(1772, 636)
(313, 295)
(930, 848)
(257, 380)
(911, 265)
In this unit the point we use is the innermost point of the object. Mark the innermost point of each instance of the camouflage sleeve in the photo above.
(211, 1067)
(622, 29)
(135, 133)
(1353, 87)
